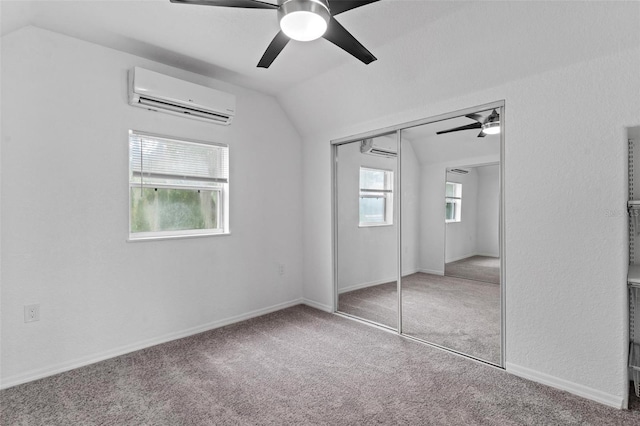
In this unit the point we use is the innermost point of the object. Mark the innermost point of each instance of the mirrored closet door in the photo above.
(367, 229)
(450, 235)
(419, 208)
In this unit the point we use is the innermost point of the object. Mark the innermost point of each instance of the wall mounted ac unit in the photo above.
(367, 146)
(458, 171)
(159, 92)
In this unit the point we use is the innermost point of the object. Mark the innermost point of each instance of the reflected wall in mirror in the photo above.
(450, 232)
(367, 229)
(472, 248)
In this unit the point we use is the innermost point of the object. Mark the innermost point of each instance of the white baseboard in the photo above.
(455, 259)
(317, 305)
(377, 282)
(565, 385)
(466, 256)
(432, 272)
(410, 272)
(364, 285)
(92, 359)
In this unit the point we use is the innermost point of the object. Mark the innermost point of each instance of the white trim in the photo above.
(431, 271)
(497, 256)
(565, 385)
(365, 285)
(378, 282)
(172, 237)
(373, 224)
(455, 259)
(122, 350)
(410, 272)
(420, 122)
(317, 305)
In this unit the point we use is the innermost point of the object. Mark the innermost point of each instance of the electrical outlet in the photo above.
(280, 269)
(32, 313)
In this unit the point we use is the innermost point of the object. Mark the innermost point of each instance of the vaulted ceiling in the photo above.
(220, 42)
(427, 50)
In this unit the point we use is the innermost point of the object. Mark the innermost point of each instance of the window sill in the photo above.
(374, 225)
(175, 237)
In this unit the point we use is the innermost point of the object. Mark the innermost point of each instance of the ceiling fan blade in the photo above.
(275, 47)
(494, 116)
(339, 36)
(476, 117)
(457, 129)
(339, 6)
(247, 4)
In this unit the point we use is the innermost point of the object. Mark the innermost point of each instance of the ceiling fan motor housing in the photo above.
(304, 20)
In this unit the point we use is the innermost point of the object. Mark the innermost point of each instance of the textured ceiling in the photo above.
(427, 51)
(220, 42)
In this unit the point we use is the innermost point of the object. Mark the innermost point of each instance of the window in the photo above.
(176, 187)
(453, 202)
(376, 197)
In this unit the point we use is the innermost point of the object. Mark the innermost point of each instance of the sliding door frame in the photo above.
(334, 223)
(397, 129)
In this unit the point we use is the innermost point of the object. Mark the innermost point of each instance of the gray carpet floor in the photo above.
(378, 303)
(298, 366)
(459, 314)
(478, 268)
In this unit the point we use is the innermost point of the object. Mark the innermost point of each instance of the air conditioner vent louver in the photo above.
(158, 92)
(207, 115)
(367, 147)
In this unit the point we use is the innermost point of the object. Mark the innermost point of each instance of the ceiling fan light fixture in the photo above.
(304, 20)
(492, 128)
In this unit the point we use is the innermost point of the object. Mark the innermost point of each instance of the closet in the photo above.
(418, 230)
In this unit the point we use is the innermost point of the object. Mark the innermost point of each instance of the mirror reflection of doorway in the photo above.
(418, 232)
(472, 249)
(454, 298)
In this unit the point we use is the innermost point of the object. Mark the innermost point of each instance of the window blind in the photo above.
(156, 160)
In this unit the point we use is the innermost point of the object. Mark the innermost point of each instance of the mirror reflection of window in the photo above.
(376, 197)
(453, 202)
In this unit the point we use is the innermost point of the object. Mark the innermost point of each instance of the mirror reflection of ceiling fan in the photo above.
(303, 20)
(490, 125)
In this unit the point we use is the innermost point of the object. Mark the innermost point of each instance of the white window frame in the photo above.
(136, 181)
(386, 193)
(456, 201)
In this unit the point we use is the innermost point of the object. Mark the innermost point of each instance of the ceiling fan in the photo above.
(303, 20)
(490, 125)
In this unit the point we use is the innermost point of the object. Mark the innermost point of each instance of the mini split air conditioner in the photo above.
(158, 92)
(368, 146)
(458, 171)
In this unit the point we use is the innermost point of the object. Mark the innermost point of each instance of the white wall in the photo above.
(368, 255)
(411, 219)
(565, 258)
(432, 225)
(440, 242)
(65, 120)
(488, 213)
(478, 231)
